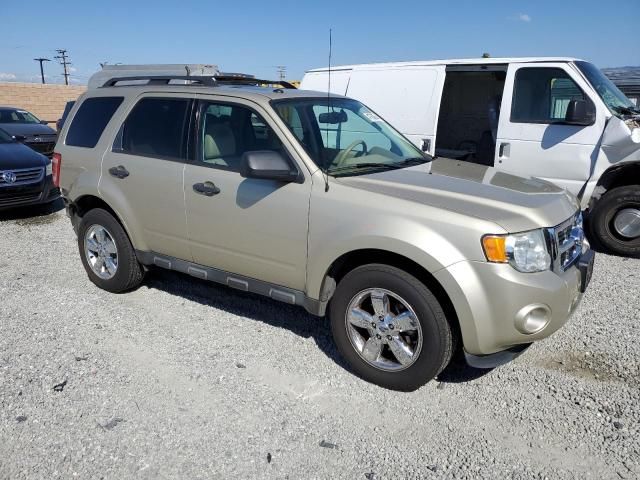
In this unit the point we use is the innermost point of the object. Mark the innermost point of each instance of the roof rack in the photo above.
(213, 81)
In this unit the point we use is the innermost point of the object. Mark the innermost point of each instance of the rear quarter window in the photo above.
(90, 120)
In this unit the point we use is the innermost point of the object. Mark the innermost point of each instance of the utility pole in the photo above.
(63, 61)
(41, 69)
(282, 72)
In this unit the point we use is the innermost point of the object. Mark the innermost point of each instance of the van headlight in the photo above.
(48, 170)
(526, 251)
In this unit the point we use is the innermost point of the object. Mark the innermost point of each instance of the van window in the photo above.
(542, 95)
(155, 128)
(90, 121)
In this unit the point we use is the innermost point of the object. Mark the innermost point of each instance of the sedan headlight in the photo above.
(49, 169)
(526, 252)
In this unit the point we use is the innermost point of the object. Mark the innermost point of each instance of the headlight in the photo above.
(49, 169)
(526, 252)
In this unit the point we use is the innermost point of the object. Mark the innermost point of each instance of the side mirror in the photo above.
(580, 112)
(267, 165)
(19, 138)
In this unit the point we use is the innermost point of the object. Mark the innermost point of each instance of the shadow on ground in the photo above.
(33, 215)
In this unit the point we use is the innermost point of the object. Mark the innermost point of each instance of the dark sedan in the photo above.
(27, 128)
(25, 175)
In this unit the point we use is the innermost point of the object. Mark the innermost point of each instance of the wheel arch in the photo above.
(622, 175)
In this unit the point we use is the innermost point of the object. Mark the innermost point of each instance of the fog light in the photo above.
(532, 318)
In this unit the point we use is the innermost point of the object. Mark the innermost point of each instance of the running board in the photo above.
(238, 282)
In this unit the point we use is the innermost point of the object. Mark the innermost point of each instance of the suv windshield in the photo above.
(5, 137)
(615, 100)
(343, 137)
(11, 115)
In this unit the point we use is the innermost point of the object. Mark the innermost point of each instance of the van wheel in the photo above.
(107, 254)
(390, 328)
(615, 221)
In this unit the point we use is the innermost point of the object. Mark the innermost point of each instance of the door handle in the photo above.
(503, 151)
(119, 172)
(207, 188)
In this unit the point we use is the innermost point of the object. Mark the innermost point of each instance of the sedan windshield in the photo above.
(615, 100)
(343, 137)
(12, 115)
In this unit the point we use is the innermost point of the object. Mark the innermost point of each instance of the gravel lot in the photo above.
(185, 379)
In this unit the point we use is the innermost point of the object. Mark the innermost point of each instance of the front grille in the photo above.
(42, 147)
(18, 199)
(23, 176)
(566, 242)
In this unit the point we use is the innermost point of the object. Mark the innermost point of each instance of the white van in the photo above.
(559, 119)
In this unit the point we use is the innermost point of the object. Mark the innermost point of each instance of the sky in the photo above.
(257, 36)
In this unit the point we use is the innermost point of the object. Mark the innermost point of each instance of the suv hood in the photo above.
(514, 203)
(27, 129)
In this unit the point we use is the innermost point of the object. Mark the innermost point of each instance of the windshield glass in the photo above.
(610, 94)
(343, 137)
(5, 137)
(11, 115)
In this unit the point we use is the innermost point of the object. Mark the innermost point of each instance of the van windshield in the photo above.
(615, 100)
(343, 137)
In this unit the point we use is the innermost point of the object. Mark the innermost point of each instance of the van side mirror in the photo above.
(267, 165)
(580, 112)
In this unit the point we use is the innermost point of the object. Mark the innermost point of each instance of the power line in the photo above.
(282, 72)
(41, 69)
(63, 61)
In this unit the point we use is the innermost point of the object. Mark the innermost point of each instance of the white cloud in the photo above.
(524, 17)
(7, 77)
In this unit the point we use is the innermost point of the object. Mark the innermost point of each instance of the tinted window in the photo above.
(90, 120)
(542, 95)
(156, 127)
(228, 131)
(8, 115)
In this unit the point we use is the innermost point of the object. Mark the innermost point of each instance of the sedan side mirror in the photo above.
(580, 112)
(267, 165)
(44, 122)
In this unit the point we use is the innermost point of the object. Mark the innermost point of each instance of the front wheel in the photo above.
(615, 221)
(390, 328)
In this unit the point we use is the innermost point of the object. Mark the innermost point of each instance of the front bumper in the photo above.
(28, 194)
(489, 300)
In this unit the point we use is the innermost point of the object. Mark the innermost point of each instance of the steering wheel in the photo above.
(341, 158)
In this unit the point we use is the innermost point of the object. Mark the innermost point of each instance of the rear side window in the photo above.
(156, 127)
(90, 120)
(542, 95)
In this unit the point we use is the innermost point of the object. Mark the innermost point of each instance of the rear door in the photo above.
(532, 136)
(142, 172)
(408, 97)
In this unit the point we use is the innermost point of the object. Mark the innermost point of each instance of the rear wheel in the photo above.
(390, 327)
(107, 254)
(615, 221)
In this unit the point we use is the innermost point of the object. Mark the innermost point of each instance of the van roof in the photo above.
(457, 61)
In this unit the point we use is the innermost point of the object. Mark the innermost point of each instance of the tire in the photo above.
(401, 289)
(128, 273)
(602, 221)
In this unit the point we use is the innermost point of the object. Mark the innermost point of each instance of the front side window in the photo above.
(156, 127)
(342, 136)
(90, 121)
(228, 131)
(542, 95)
(10, 115)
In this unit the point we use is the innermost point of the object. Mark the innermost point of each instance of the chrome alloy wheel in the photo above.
(383, 329)
(627, 222)
(101, 251)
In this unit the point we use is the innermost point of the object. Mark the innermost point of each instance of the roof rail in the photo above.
(161, 80)
(212, 81)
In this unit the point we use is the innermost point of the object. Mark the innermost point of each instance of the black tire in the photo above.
(438, 337)
(601, 221)
(129, 272)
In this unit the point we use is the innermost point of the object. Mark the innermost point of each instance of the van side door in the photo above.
(534, 137)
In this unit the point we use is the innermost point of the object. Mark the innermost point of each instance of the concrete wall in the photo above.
(45, 101)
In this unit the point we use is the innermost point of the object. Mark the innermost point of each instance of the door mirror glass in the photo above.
(580, 112)
(267, 165)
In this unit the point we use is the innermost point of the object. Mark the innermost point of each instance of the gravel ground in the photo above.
(185, 379)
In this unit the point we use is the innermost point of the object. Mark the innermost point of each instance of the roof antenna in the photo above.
(326, 170)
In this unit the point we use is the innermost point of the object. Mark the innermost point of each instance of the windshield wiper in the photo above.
(626, 110)
(357, 166)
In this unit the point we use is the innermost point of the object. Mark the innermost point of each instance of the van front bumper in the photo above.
(501, 310)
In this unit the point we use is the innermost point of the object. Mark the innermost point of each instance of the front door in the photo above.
(250, 227)
(142, 173)
(533, 139)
